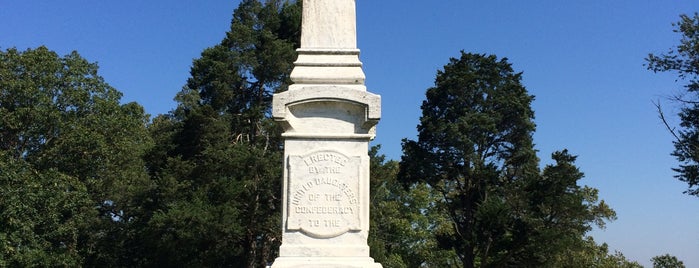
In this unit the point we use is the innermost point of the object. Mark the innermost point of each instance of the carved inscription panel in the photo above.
(323, 190)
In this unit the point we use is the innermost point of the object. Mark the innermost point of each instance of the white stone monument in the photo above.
(329, 119)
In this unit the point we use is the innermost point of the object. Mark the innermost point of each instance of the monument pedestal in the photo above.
(326, 175)
(328, 119)
(329, 262)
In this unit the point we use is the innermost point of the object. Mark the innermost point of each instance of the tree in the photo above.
(684, 60)
(401, 226)
(475, 151)
(589, 254)
(218, 156)
(476, 124)
(69, 141)
(560, 212)
(667, 261)
(43, 216)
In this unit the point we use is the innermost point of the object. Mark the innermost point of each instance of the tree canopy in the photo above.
(475, 151)
(684, 61)
(667, 261)
(86, 180)
(71, 158)
(217, 159)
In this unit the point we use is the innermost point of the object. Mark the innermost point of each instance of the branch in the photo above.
(678, 98)
(685, 147)
(667, 125)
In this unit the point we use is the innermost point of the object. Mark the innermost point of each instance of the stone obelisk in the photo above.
(329, 119)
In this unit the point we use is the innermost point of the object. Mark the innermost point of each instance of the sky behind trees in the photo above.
(583, 60)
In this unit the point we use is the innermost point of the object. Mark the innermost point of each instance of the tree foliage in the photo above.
(217, 159)
(587, 253)
(667, 261)
(684, 60)
(72, 160)
(43, 216)
(88, 181)
(401, 226)
(475, 150)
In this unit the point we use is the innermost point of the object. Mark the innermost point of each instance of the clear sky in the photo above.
(583, 60)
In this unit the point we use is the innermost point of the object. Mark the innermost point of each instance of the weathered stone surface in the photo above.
(329, 24)
(339, 67)
(323, 197)
(327, 111)
(328, 119)
(328, 53)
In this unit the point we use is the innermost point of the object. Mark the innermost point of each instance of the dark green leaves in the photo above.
(667, 261)
(43, 216)
(73, 159)
(684, 60)
(217, 160)
(492, 207)
(474, 146)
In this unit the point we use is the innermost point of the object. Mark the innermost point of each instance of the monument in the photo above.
(328, 118)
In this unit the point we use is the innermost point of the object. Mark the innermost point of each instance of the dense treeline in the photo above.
(88, 181)
(72, 177)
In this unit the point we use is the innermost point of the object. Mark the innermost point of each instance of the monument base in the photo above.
(328, 118)
(325, 262)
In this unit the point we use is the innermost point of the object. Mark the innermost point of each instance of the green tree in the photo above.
(476, 124)
(218, 156)
(560, 212)
(667, 261)
(684, 60)
(43, 216)
(401, 227)
(588, 253)
(475, 151)
(63, 127)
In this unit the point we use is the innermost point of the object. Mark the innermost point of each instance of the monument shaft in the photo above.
(329, 25)
(329, 119)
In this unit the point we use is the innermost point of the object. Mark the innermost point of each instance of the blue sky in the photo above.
(583, 60)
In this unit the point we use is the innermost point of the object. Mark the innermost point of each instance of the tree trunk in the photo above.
(468, 258)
